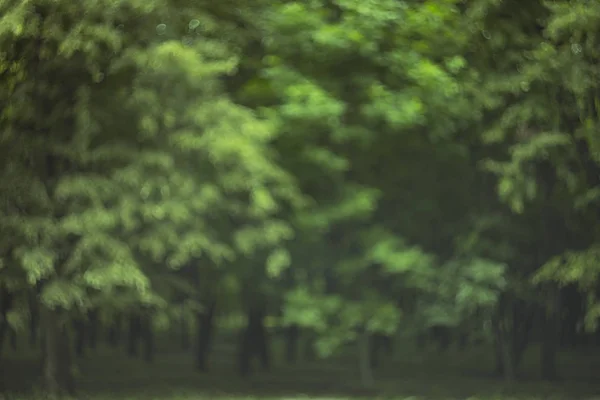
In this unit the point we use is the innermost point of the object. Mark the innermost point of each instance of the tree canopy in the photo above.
(355, 169)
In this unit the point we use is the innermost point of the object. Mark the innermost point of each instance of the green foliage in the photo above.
(336, 319)
(543, 96)
(362, 92)
(142, 168)
(572, 267)
(360, 165)
(461, 290)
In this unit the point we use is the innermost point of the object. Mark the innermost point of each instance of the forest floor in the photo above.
(106, 374)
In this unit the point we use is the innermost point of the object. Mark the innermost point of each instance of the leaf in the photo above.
(63, 294)
(38, 263)
(277, 262)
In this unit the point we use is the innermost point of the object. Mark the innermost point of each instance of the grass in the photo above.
(411, 375)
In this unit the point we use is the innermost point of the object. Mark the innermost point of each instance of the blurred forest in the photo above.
(298, 181)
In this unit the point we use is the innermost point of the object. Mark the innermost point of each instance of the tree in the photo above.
(126, 151)
(538, 107)
(353, 137)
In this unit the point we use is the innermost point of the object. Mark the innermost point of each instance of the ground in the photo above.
(415, 375)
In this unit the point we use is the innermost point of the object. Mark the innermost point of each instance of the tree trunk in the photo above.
(80, 337)
(13, 339)
(34, 318)
(379, 344)
(3, 333)
(498, 357)
(504, 360)
(309, 347)
(93, 329)
(550, 338)
(114, 332)
(147, 334)
(133, 335)
(5, 305)
(292, 337)
(568, 332)
(185, 333)
(262, 338)
(421, 340)
(364, 360)
(463, 341)
(205, 334)
(57, 368)
(553, 241)
(388, 344)
(521, 329)
(442, 336)
(254, 342)
(245, 352)
(374, 351)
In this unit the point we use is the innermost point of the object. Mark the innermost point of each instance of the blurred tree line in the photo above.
(353, 170)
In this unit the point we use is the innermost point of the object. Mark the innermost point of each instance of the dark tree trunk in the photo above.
(421, 340)
(254, 343)
(387, 344)
(206, 328)
(504, 360)
(553, 240)
(114, 332)
(13, 339)
(463, 341)
(245, 352)
(374, 351)
(34, 318)
(3, 333)
(185, 333)
(263, 341)
(57, 368)
(133, 335)
(498, 356)
(80, 336)
(33, 332)
(573, 305)
(379, 343)
(292, 337)
(522, 324)
(512, 327)
(442, 336)
(309, 347)
(550, 339)
(93, 329)
(147, 334)
(568, 334)
(364, 359)
(6, 300)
